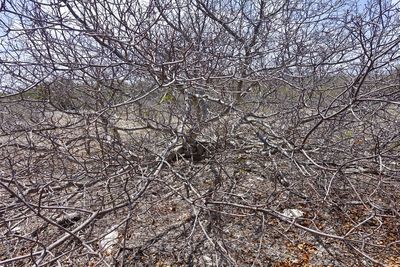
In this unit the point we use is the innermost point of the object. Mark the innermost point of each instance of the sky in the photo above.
(6, 19)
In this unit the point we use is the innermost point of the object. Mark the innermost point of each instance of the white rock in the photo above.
(207, 260)
(293, 213)
(16, 230)
(109, 240)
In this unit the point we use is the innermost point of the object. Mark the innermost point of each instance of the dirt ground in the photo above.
(61, 200)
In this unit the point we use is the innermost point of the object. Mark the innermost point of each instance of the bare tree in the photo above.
(193, 132)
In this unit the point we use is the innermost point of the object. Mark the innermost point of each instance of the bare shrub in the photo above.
(195, 133)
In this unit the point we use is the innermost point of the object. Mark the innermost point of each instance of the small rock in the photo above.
(17, 230)
(293, 213)
(207, 260)
(109, 240)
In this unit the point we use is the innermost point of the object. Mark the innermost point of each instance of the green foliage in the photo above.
(37, 93)
(168, 97)
(349, 133)
(395, 145)
(241, 159)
